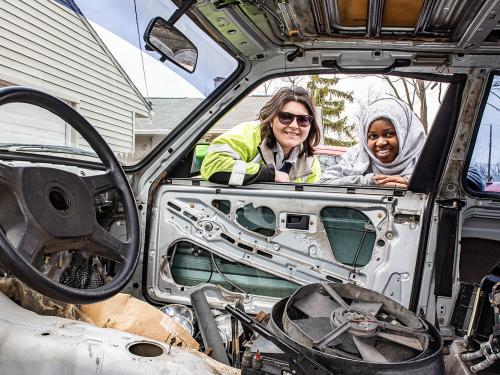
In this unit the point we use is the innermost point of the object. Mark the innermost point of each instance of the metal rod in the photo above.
(489, 157)
(358, 250)
(375, 13)
(424, 16)
(334, 295)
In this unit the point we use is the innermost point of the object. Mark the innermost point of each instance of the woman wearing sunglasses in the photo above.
(277, 148)
(391, 138)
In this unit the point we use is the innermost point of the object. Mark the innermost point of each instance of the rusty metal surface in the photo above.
(450, 187)
(453, 362)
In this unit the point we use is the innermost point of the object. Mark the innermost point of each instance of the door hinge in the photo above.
(451, 203)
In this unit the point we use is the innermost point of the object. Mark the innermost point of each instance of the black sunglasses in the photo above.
(286, 118)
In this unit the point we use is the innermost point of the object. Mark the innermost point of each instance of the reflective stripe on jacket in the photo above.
(241, 153)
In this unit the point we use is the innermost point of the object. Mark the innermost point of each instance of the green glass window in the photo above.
(191, 265)
(350, 233)
(260, 220)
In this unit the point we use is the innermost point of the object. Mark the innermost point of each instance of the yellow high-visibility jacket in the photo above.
(241, 157)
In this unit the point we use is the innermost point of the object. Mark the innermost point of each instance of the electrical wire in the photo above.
(211, 271)
(224, 276)
(140, 48)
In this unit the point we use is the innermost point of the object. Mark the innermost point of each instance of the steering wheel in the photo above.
(58, 212)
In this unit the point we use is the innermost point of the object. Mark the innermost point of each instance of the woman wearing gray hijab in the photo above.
(390, 141)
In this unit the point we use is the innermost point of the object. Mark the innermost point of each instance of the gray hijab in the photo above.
(359, 160)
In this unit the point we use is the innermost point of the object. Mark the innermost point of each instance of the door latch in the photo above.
(294, 221)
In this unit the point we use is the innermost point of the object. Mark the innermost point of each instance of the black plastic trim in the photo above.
(432, 161)
(445, 251)
(421, 252)
(398, 63)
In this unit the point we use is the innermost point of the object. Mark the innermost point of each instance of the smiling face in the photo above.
(289, 136)
(383, 140)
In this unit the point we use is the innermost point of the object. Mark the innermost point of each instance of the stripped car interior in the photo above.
(307, 278)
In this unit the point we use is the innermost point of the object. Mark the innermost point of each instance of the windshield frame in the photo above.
(205, 105)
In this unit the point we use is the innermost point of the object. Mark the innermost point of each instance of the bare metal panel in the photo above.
(185, 213)
(447, 14)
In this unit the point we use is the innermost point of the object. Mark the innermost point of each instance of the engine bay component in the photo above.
(489, 351)
(207, 325)
(298, 363)
(181, 314)
(352, 330)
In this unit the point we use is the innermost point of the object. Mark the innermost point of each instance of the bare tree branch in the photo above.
(407, 93)
(393, 87)
(293, 80)
(421, 92)
(266, 86)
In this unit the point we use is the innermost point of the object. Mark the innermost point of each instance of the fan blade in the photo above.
(314, 328)
(368, 352)
(316, 305)
(410, 342)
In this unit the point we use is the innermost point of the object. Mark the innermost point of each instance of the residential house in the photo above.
(70, 62)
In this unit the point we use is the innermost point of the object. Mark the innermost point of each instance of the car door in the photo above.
(261, 243)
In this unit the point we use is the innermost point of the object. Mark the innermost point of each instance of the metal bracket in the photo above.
(299, 52)
(452, 203)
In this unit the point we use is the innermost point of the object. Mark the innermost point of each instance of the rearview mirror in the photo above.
(171, 44)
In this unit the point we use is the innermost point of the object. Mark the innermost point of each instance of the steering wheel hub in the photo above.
(61, 203)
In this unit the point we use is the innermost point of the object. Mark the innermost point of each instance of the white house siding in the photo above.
(47, 46)
(20, 124)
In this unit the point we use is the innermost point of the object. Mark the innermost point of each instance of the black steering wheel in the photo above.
(57, 211)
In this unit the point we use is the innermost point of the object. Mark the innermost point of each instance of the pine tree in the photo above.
(337, 131)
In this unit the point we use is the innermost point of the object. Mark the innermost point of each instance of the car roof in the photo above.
(436, 28)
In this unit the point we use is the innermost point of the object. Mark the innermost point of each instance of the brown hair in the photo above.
(274, 106)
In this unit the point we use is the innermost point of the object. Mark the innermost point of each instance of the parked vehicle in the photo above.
(493, 187)
(354, 279)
